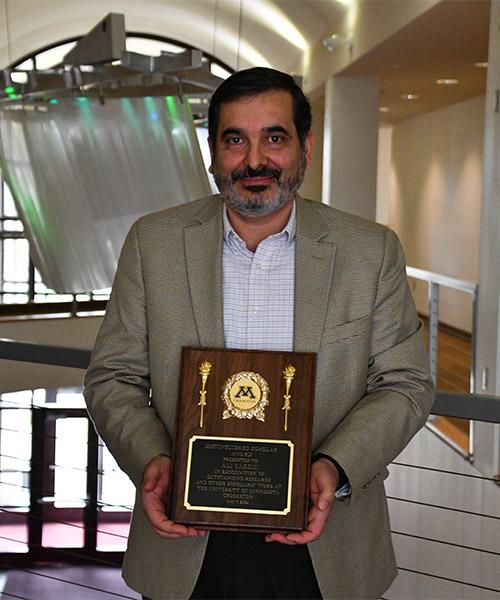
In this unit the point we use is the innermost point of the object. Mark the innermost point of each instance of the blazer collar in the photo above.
(314, 262)
(203, 248)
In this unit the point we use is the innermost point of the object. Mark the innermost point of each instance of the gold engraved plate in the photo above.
(245, 395)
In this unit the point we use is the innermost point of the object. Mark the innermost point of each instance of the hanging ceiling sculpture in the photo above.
(84, 161)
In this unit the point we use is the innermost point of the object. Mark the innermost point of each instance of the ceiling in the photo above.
(443, 43)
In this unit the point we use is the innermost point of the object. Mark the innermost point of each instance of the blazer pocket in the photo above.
(377, 479)
(345, 331)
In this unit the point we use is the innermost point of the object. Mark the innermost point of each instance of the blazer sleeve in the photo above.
(399, 389)
(117, 382)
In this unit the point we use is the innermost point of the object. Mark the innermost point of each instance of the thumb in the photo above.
(152, 475)
(325, 499)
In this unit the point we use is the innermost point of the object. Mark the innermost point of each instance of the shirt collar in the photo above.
(287, 233)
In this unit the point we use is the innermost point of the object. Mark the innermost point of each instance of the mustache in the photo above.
(248, 173)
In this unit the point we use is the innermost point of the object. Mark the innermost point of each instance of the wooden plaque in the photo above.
(242, 448)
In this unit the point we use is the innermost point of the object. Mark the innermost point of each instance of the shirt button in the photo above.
(255, 310)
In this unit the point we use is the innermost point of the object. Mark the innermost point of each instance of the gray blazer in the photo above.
(373, 391)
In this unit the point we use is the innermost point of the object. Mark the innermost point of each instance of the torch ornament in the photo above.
(204, 370)
(288, 375)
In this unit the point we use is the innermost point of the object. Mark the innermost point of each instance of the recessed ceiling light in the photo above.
(481, 65)
(447, 81)
(410, 96)
(384, 109)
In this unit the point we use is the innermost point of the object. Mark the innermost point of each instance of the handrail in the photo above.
(50, 308)
(451, 282)
(462, 405)
(435, 280)
(47, 355)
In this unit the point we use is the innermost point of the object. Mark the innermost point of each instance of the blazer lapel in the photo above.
(314, 261)
(203, 247)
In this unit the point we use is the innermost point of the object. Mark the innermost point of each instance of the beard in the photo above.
(260, 201)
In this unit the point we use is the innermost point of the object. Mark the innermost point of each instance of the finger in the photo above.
(315, 525)
(279, 537)
(168, 527)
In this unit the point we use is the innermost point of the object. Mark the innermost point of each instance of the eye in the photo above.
(234, 140)
(275, 138)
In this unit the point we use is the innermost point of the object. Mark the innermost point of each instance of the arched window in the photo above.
(20, 282)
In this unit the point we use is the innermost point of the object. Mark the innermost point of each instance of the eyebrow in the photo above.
(239, 131)
(231, 131)
(276, 129)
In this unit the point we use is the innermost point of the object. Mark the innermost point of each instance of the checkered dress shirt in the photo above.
(258, 289)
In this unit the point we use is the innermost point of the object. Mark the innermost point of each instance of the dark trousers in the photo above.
(243, 566)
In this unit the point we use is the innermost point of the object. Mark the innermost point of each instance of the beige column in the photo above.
(350, 145)
(487, 437)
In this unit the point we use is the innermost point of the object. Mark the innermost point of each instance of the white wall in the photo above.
(79, 332)
(435, 196)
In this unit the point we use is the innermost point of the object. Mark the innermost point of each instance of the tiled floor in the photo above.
(66, 583)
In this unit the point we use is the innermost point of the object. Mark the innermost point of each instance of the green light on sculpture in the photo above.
(172, 107)
(12, 96)
(10, 89)
(53, 101)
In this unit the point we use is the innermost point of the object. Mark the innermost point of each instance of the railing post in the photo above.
(472, 383)
(433, 327)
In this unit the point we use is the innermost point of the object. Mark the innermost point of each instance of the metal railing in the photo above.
(435, 281)
(401, 496)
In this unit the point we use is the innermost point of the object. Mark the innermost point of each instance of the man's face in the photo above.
(257, 161)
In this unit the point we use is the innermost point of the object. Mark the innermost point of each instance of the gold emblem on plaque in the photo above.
(245, 395)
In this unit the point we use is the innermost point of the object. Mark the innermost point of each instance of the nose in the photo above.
(256, 156)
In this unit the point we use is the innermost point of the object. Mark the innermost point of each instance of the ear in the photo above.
(308, 147)
(211, 145)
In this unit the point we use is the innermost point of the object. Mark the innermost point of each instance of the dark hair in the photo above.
(251, 82)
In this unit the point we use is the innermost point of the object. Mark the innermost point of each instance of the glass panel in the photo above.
(112, 531)
(64, 534)
(16, 260)
(14, 489)
(13, 226)
(14, 532)
(15, 288)
(15, 454)
(15, 298)
(219, 71)
(16, 399)
(54, 56)
(9, 208)
(27, 65)
(150, 47)
(18, 77)
(101, 294)
(116, 498)
(117, 491)
(70, 477)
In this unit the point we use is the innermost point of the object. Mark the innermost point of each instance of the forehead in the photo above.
(258, 112)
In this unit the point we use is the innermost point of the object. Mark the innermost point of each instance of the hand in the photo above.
(155, 482)
(324, 481)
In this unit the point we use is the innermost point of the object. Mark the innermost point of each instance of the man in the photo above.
(259, 267)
